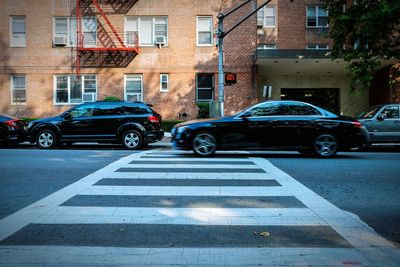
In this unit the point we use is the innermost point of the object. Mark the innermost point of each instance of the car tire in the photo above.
(46, 139)
(132, 140)
(325, 145)
(204, 144)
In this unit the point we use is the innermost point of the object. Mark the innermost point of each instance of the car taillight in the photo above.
(12, 123)
(357, 124)
(154, 119)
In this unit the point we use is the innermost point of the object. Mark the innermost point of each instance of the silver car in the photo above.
(382, 122)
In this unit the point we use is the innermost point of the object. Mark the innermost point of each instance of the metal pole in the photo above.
(221, 65)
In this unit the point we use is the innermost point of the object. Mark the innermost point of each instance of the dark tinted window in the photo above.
(108, 110)
(82, 111)
(133, 110)
(266, 109)
(294, 109)
(204, 86)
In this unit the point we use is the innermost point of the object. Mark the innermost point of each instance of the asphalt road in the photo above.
(365, 184)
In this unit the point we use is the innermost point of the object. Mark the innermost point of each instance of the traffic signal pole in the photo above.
(220, 43)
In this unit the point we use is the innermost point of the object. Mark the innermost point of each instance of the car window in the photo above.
(265, 109)
(82, 111)
(391, 112)
(297, 109)
(369, 113)
(133, 110)
(108, 110)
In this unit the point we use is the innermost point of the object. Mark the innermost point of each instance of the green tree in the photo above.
(363, 33)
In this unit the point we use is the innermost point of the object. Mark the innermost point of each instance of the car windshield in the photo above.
(369, 112)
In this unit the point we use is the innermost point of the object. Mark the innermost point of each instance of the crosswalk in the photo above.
(168, 208)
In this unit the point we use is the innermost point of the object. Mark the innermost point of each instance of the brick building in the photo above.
(168, 56)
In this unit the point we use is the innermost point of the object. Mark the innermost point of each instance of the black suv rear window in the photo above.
(113, 109)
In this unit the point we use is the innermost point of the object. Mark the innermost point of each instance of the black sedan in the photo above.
(288, 125)
(12, 130)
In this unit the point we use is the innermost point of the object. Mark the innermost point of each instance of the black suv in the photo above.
(132, 124)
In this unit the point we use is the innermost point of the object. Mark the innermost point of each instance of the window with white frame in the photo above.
(133, 87)
(317, 47)
(204, 31)
(149, 29)
(17, 31)
(266, 46)
(266, 16)
(69, 89)
(164, 82)
(66, 27)
(18, 89)
(317, 16)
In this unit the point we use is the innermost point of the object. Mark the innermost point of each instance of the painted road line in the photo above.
(181, 216)
(353, 229)
(23, 217)
(185, 191)
(188, 257)
(173, 201)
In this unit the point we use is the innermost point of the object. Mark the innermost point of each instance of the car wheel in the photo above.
(326, 145)
(204, 144)
(132, 139)
(46, 139)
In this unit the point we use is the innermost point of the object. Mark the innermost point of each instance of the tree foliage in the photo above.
(363, 33)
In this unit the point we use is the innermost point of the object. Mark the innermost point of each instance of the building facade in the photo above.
(163, 52)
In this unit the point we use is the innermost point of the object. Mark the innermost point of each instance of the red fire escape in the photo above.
(110, 48)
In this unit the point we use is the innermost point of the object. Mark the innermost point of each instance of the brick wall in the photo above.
(181, 59)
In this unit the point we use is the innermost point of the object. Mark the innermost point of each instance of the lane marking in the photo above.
(192, 216)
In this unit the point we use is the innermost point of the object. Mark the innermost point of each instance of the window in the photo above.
(71, 90)
(318, 47)
(18, 89)
(204, 31)
(133, 87)
(288, 109)
(317, 16)
(147, 28)
(391, 112)
(66, 27)
(82, 111)
(266, 46)
(205, 87)
(266, 16)
(18, 31)
(265, 109)
(164, 82)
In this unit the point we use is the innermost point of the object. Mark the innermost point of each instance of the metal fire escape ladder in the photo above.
(113, 49)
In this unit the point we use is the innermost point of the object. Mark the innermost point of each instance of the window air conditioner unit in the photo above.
(89, 97)
(160, 40)
(60, 41)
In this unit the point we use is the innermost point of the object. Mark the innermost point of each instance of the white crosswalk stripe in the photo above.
(367, 248)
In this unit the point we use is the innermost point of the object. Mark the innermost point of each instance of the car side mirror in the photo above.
(382, 117)
(67, 116)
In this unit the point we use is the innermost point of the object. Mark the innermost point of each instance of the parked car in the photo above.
(131, 124)
(12, 130)
(273, 125)
(382, 123)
